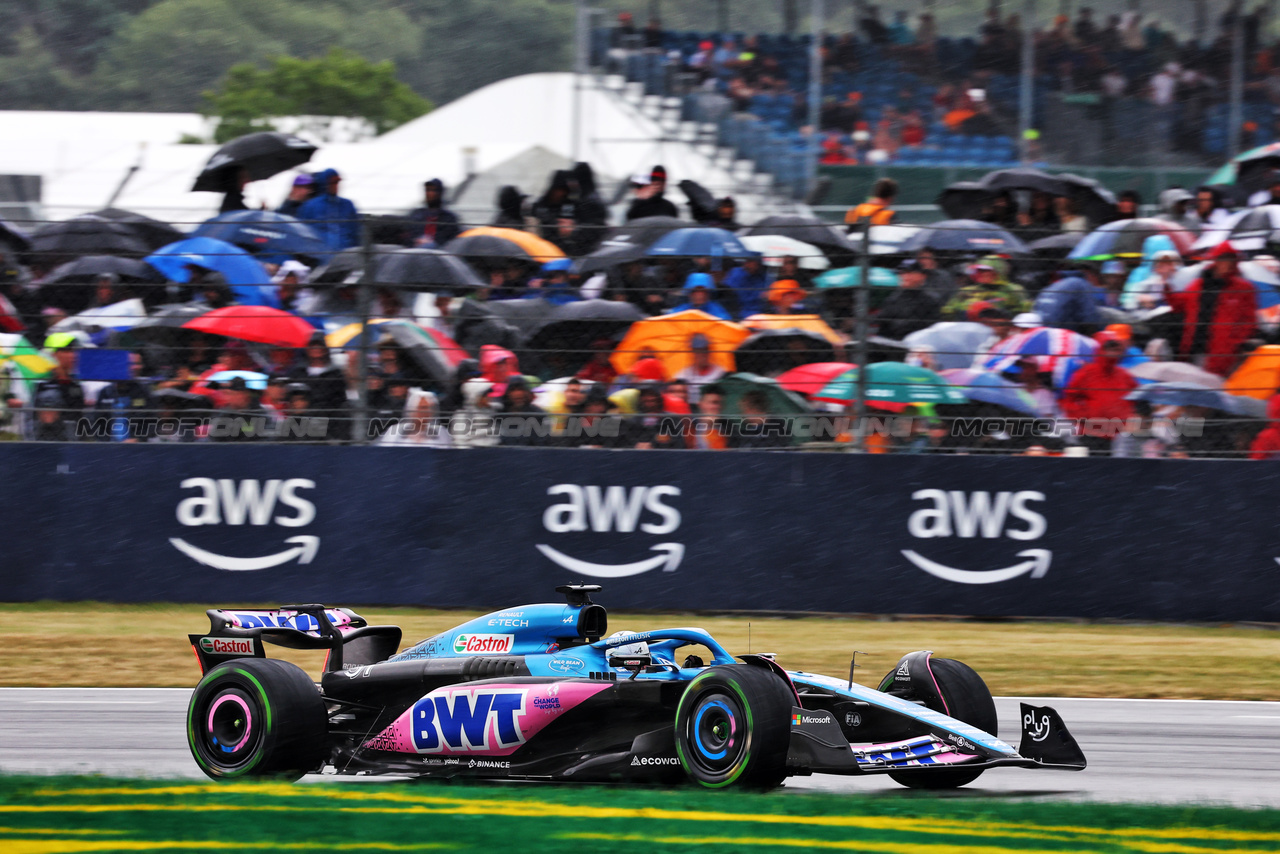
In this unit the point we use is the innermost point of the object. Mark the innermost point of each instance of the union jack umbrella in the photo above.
(1056, 351)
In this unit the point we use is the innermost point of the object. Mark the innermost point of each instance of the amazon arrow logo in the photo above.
(305, 551)
(603, 509)
(1037, 564)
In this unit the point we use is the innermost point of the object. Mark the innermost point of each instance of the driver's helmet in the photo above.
(637, 648)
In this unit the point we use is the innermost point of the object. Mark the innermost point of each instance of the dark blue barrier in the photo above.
(1136, 539)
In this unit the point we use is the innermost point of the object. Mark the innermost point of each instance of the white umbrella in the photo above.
(1176, 372)
(888, 239)
(119, 315)
(774, 246)
(1248, 230)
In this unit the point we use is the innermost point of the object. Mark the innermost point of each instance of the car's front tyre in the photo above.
(257, 717)
(733, 727)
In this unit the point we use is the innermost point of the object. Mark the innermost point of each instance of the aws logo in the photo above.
(988, 515)
(254, 502)
(604, 509)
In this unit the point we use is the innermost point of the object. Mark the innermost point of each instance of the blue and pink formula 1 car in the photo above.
(542, 692)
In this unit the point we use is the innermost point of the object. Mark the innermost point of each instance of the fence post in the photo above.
(861, 329)
(364, 300)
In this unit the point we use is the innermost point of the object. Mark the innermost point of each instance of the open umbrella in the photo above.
(124, 314)
(1248, 230)
(779, 401)
(570, 329)
(986, 387)
(1056, 351)
(827, 237)
(252, 379)
(774, 247)
(851, 277)
(1056, 245)
(1176, 372)
(533, 246)
(435, 353)
(965, 236)
(669, 336)
(263, 154)
(699, 242)
(887, 241)
(162, 325)
(1248, 172)
(891, 383)
(16, 239)
(255, 323)
(1188, 394)
(264, 233)
(152, 232)
(432, 270)
(810, 379)
(348, 264)
(1259, 375)
(1124, 239)
(487, 246)
(90, 267)
(244, 274)
(86, 235)
(807, 322)
(954, 342)
(773, 351)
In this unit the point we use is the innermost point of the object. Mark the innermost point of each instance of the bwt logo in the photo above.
(231, 502)
(967, 515)
(605, 509)
(464, 725)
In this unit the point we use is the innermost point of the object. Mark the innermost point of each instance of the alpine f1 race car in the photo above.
(542, 692)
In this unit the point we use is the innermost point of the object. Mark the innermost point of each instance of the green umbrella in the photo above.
(892, 382)
(781, 402)
(851, 277)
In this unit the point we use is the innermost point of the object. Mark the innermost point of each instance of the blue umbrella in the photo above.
(964, 235)
(954, 342)
(242, 271)
(1190, 394)
(264, 232)
(700, 242)
(252, 379)
(987, 387)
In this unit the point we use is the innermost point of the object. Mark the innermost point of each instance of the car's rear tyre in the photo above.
(968, 699)
(257, 717)
(733, 727)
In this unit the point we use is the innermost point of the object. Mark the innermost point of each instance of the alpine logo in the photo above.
(464, 721)
(227, 646)
(604, 509)
(903, 670)
(232, 502)
(654, 760)
(967, 515)
(465, 644)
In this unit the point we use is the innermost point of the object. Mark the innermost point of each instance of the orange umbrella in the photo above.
(807, 322)
(1259, 376)
(670, 336)
(538, 249)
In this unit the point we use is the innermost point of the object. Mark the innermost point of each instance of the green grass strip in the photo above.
(67, 815)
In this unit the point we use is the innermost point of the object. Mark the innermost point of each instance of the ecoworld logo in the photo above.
(967, 515)
(227, 646)
(614, 509)
(654, 760)
(483, 644)
(254, 502)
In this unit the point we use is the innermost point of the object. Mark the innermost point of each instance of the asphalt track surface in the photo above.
(1157, 751)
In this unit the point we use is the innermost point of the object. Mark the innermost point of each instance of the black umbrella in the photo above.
(644, 231)
(426, 270)
(264, 232)
(773, 351)
(1056, 246)
(702, 205)
(87, 235)
(89, 267)
(1024, 178)
(486, 246)
(263, 154)
(609, 256)
(509, 321)
(164, 325)
(153, 232)
(965, 236)
(348, 262)
(15, 238)
(965, 199)
(1094, 201)
(827, 237)
(565, 337)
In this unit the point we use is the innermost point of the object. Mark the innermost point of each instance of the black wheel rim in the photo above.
(717, 733)
(229, 728)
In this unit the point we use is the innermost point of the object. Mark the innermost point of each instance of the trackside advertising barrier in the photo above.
(1096, 538)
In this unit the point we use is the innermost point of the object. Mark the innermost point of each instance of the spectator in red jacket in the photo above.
(1266, 445)
(1219, 312)
(1097, 391)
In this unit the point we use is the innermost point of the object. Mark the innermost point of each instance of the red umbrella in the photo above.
(812, 378)
(255, 323)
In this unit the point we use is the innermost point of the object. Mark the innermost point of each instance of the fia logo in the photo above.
(614, 509)
(972, 514)
(231, 502)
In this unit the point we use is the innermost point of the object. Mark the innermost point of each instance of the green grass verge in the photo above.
(78, 814)
(86, 644)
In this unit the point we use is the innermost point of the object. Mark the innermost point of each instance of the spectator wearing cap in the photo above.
(910, 307)
(703, 372)
(60, 392)
(748, 282)
(1098, 391)
(785, 297)
(1074, 301)
(434, 224)
(242, 418)
(334, 218)
(128, 402)
(50, 425)
(650, 199)
(1219, 312)
(699, 288)
(553, 284)
(1114, 274)
(985, 285)
(299, 194)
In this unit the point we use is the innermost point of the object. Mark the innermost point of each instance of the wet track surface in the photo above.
(1160, 751)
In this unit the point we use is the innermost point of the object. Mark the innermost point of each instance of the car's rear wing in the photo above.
(241, 632)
